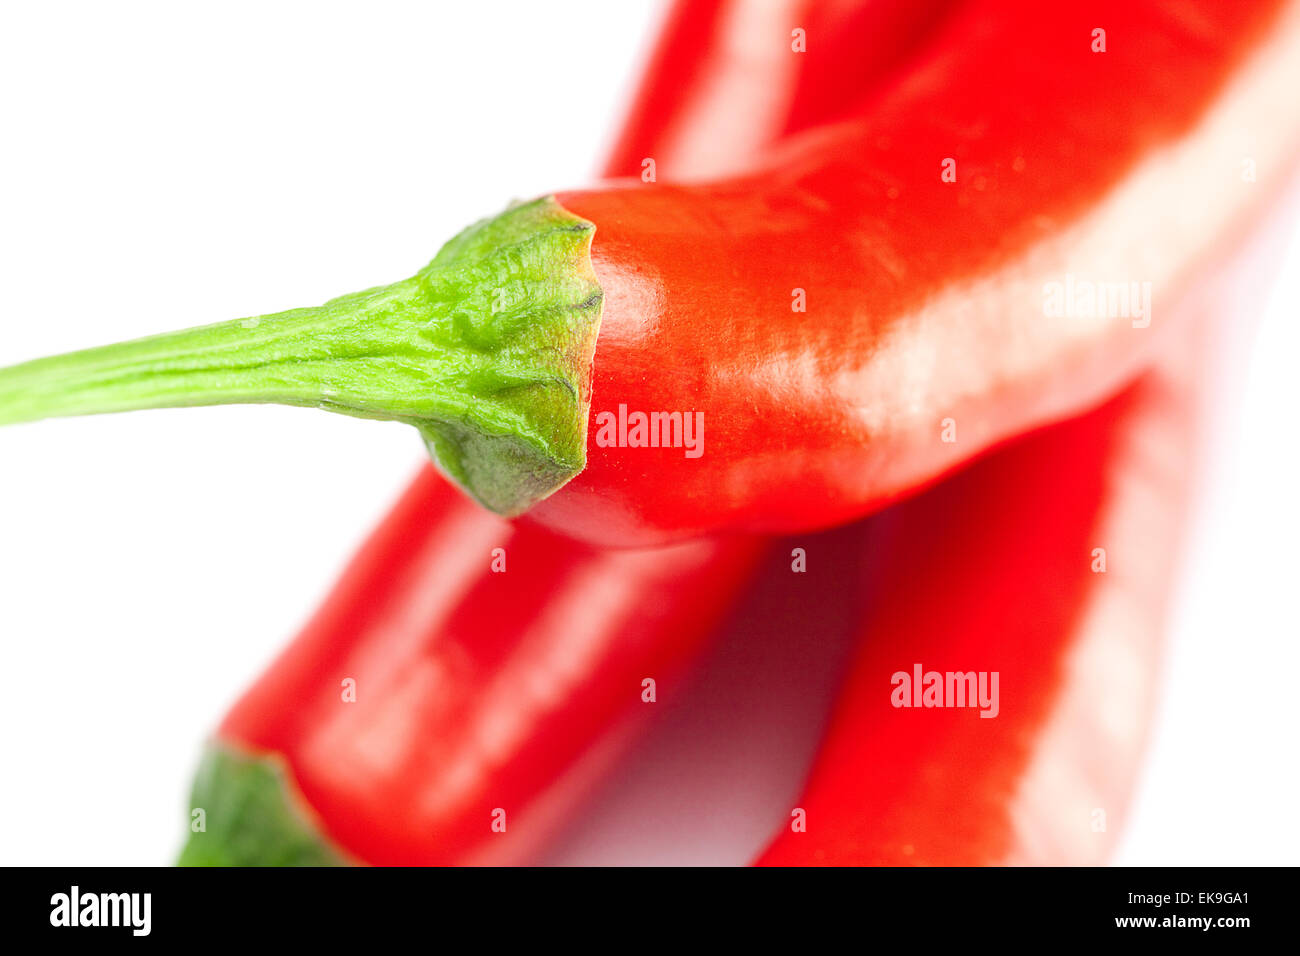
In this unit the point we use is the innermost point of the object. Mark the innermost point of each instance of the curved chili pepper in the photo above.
(473, 690)
(797, 345)
(460, 666)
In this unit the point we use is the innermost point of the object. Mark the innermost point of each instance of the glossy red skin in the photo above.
(924, 299)
(478, 690)
(994, 570)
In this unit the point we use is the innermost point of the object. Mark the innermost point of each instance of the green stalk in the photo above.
(487, 351)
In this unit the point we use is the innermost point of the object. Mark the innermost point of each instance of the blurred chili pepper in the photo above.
(471, 690)
(723, 83)
(461, 665)
(1048, 565)
(994, 576)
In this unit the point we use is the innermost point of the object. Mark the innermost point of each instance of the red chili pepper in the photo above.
(931, 330)
(964, 257)
(474, 690)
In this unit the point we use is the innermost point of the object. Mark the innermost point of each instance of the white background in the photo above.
(164, 166)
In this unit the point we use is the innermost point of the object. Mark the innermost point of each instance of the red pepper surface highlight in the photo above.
(942, 318)
(1050, 563)
(473, 690)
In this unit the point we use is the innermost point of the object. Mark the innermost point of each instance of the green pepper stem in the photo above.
(288, 358)
(487, 351)
(251, 814)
